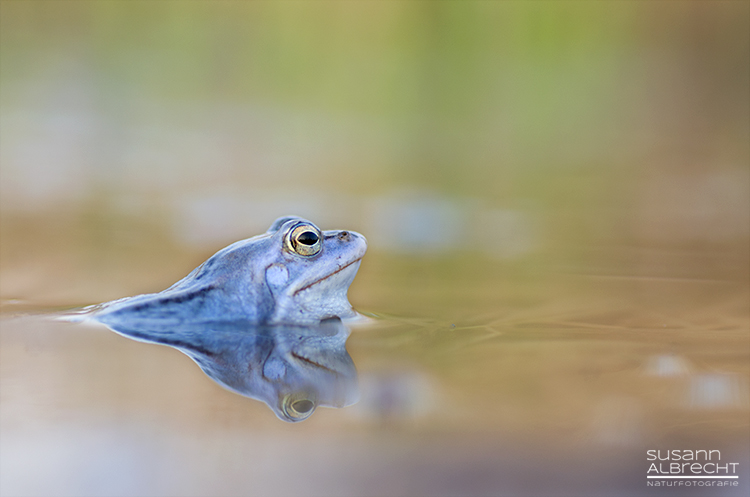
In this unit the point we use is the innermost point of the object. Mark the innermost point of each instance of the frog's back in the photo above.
(222, 288)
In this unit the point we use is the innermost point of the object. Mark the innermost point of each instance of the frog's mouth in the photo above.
(333, 274)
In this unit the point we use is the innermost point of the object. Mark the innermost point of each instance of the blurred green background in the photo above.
(138, 137)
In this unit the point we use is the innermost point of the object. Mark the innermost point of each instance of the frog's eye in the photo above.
(297, 408)
(305, 240)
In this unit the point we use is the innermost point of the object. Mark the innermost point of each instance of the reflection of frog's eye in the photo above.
(305, 240)
(297, 408)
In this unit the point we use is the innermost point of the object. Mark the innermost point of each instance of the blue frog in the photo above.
(292, 274)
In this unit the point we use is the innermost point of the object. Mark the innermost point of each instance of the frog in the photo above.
(293, 369)
(293, 274)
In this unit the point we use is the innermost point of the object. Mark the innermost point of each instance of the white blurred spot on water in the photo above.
(717, 391)
(417, 221)
(424, 222)
(666, 366)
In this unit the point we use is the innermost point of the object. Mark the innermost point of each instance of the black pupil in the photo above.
(308, 238)
(302, 406)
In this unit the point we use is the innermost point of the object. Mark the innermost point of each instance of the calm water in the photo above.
(481, 381)
(556, 198)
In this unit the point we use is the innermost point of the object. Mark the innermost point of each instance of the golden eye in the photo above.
(305, 240)
(297, 408)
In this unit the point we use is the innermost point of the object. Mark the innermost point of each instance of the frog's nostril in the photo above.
(344, 236)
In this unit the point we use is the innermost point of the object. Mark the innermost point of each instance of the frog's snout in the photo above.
(347, 236)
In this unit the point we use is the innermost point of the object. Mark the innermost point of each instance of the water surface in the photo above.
(480, 381)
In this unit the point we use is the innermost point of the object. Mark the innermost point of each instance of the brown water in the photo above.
(556, 198)
(479, 378)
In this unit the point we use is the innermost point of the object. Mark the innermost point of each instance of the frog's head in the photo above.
(311, 271)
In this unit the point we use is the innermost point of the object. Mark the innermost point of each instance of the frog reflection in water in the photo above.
(293, 369)
(262, 316)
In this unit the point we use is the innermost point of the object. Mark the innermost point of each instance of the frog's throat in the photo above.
(325, 277)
